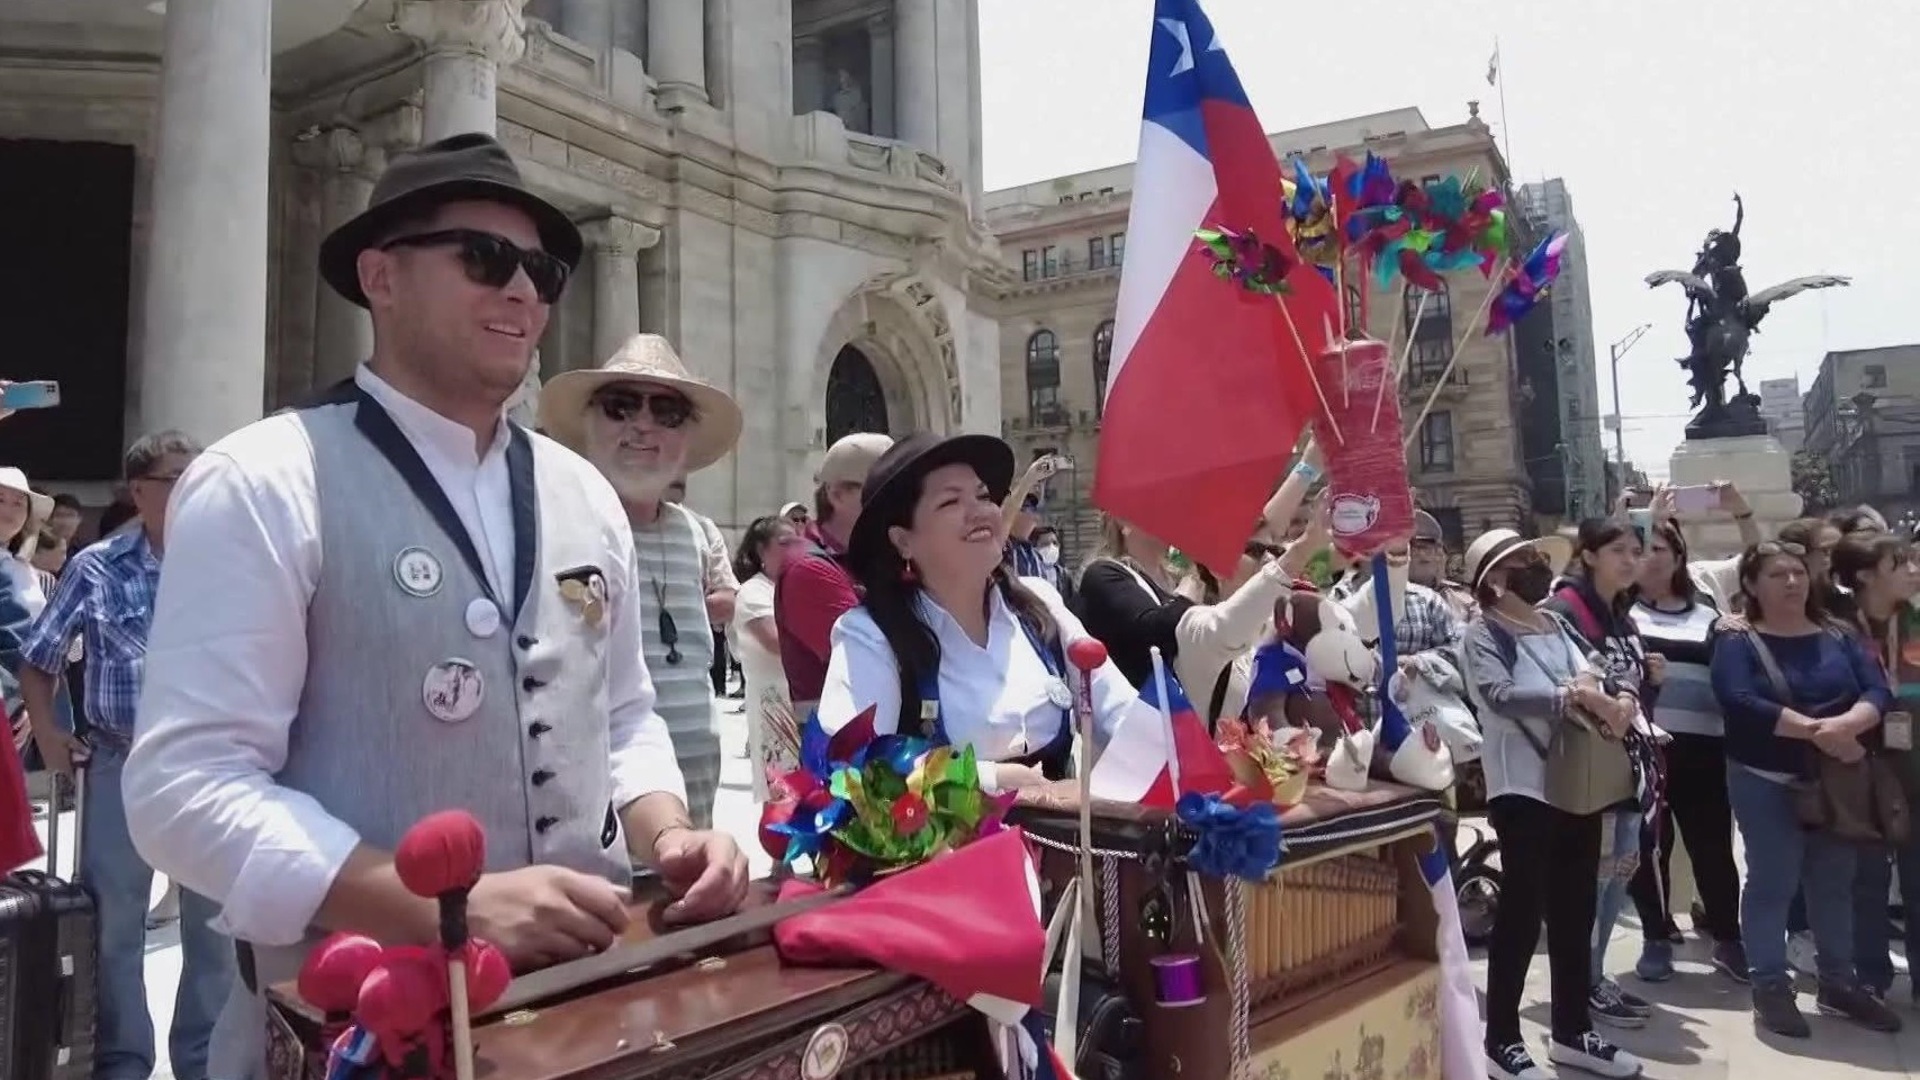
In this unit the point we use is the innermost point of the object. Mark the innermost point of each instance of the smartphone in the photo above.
(1640, 519)
(44, 394)
(1696, 499)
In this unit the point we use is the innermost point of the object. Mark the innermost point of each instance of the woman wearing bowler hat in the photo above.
(947, 644)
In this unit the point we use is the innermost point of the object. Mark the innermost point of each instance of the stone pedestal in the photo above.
(1758, 464)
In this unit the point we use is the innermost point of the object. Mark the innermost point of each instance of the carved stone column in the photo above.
(348, 166)
(615, 244)
(203, 361)
(677, 49)
(917, 74)
(882, 93)
(466, 42)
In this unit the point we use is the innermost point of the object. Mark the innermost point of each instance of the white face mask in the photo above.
(1050, 554)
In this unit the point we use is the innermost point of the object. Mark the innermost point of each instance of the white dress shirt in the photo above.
(992, 697)
(227, 660)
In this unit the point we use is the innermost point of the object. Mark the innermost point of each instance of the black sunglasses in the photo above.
(1257, 550)
(621, 406)
(492, 260)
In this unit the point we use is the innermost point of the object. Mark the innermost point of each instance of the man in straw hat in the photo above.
(395, 602)
(815, 589)
(645, 422)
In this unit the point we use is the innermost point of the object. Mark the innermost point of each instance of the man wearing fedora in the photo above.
(645, 422)
(396, 602)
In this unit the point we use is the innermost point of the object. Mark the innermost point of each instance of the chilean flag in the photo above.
(1157, 755)
(1207, 390)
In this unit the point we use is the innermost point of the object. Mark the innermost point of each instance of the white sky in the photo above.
(1654, 113)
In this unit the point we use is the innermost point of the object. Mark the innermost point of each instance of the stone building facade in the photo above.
(788, 189)
(1064, 245)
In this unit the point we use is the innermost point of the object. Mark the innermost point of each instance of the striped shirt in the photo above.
(1685, 703)
(670, 560)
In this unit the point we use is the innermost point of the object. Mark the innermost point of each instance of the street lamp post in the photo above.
(1614, 352)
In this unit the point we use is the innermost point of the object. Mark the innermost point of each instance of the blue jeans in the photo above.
(1619, 858)
(121, 883)
(1872, 925)
(1784, 858)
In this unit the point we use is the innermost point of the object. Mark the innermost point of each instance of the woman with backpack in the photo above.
(1595, 598)
(1551, 719)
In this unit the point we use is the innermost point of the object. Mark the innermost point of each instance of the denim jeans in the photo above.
(1872, 924)
(1619, 857)
(1784, 858)
(121, 883)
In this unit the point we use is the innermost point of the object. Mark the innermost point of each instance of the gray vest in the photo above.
(390, 641)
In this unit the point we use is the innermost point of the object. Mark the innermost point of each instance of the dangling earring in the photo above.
(908, 575)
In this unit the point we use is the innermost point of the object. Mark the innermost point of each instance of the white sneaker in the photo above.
(1512, 1062)
(1801, 954)
(1595, 1055)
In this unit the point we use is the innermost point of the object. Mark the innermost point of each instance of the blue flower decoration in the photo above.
(1233, 842)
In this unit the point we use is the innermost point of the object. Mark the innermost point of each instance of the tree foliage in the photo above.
(1813, 482)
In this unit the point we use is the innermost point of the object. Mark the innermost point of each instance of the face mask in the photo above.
(1530, 583)
(1049, 554)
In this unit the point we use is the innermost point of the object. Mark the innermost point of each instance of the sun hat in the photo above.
(645, 358)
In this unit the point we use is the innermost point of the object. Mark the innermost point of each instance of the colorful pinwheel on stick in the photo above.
(861, 805)
(1246, 260)
(1526, 284)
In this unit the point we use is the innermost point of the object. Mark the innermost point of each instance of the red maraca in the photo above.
(331, 978)
(442, 857)
(487, 973)
(400, 1004)
(1087, 654)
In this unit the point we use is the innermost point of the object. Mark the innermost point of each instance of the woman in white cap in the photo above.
(22, 512)
(1532, 675)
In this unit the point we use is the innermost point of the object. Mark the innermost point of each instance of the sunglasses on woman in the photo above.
(492, 260)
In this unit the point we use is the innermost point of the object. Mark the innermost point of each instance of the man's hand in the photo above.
(1011, 777)
(705, 869)
(60, 750)
(544, 915)
(720, 607)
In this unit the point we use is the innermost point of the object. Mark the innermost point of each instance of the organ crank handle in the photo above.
(1087, 656)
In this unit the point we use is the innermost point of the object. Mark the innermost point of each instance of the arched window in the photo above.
(1043, 377)
(1102, 360)
(1429, 321)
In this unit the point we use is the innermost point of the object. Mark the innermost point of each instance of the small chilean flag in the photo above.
(1160, 752)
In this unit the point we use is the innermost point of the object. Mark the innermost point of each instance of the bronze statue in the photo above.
(1721, 317)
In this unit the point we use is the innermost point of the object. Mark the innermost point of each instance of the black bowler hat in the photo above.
(457, 168)
(894, 483)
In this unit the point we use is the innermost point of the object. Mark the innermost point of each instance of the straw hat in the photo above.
(646, 358)
(1497, 544)
(39, 507)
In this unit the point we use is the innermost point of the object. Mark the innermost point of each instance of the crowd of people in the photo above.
(557, 627)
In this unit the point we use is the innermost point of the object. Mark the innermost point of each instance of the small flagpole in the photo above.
(1166, 719)
(1500, 86)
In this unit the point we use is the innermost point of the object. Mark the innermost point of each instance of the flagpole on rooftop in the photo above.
(1497, 79)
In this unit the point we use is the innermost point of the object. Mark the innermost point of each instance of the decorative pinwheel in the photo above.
(1526, 284)
(1246, 260)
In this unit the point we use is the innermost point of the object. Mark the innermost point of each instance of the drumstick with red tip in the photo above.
(442, 858)
(331, 978)
(1087, 655)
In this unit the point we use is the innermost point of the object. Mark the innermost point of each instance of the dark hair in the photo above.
(1855, 519)
(1754, 559)
(892, 600)
(147, 453)
(1804, 531)
(69, 502)
(1595, 533)
(1681, 584)
(1043, 530)
(746, 558)
(1859, 552)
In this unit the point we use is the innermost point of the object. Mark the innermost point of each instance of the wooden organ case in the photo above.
(1332, 960)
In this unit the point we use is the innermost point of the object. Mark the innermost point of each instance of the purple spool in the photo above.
(1176, 981)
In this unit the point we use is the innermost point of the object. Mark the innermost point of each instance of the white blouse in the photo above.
(994, 698)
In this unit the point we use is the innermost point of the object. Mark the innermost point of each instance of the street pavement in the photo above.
(1702, 1030)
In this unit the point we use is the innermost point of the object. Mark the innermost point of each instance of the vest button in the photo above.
(545, 823)
(530, 684)
(539, 728)
(541, 776)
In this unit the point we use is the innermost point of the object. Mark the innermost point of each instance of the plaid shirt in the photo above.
(1024, 560)
(105, 596)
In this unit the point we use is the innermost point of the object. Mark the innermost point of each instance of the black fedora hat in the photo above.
(894, 482)
(459, 167)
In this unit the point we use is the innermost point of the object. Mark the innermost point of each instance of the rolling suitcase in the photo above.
(47, 940)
